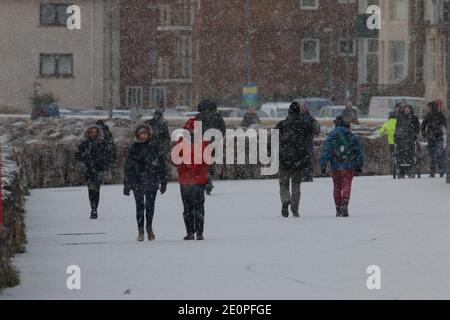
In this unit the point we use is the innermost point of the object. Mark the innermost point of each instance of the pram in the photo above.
(409, 168)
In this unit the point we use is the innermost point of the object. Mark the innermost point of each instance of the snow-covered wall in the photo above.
(47, 147)
(12, 232)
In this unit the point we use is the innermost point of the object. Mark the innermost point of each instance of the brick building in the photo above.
(156, 52)
(287, 48)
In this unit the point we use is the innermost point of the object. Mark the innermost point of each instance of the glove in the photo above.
(358, 172)
(126, 191)
(163, 188)
(323, 171)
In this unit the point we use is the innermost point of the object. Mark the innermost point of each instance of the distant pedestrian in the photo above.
(193, 179)
(296, 132)
(433, 131)
(388, 129)
(145, 172)
(96, 156)
(250, 118)
(349, 114)
(343, 151)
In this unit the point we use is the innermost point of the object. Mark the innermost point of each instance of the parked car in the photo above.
(335, 111)
(381, 107)
(276, 110)
(316, 104)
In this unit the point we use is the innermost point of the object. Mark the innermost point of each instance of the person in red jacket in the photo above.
(193, 179)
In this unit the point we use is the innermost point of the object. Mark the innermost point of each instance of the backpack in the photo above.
(343, 147)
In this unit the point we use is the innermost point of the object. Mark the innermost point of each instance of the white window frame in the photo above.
(303, 51)
(154, 103)
(133, 90)
(307, 7)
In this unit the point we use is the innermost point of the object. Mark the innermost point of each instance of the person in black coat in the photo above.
(109, 140)
(296, 133)
(145, 172)
(96, 156)
(250, 118)
(210, 119)
(406, 133)
(433, 130)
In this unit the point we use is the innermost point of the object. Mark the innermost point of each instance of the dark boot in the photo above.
(285, 209)
(141, 236)
(150, 234)
(338, 211)
(94, 214)
(296, 214)
(200, 236)
(189, 237)
(344, 210)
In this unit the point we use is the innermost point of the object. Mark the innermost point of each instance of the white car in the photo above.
(335, 111)
(277, 110)
(381, 107)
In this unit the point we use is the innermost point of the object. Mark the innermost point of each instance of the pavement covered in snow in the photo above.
(251, 252)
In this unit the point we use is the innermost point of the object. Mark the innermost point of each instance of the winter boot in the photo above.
(285, 209)
(189, 237)
(94, 214)
(150, 234)
(296, 214)
(338, 211)
(200, 236)
(344, 211)
(141, 236)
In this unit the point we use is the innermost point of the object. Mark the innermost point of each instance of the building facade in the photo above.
(156, 53)
(286, 48)
(39, 54)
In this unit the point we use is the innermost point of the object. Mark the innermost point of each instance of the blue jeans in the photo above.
(437, 159)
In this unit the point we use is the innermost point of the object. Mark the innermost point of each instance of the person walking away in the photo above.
(193, 178)
(388, 129)
(210, 119)
(145, 172)
(433, 131)
(295, 136)
(405, 138)
(308, 174)
(250, 118)
(343, 151)
(349, 114)
(95, 154)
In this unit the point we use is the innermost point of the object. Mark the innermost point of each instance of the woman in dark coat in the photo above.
(145, 173)
(96, 156)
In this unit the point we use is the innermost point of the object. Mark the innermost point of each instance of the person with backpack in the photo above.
(433, 130)
(193, 179)
(296, 132)
(344, 153)
(96, 155)
(145, 172)
(388, 129)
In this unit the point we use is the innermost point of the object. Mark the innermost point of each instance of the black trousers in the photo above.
(145, 206)
(94, 181)
(94, 197)
(193, 197)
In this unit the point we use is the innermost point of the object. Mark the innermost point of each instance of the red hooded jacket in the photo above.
(193, 173)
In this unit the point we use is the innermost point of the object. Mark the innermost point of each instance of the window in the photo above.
(186, 56)
(158, 96)
(310, 50)
(165, 15)
(397, 52)
(437, 12)
(134, 97)
(56, 65)
(53, 14)
(309, 4)
(346, 47)
(399, 9)
(163, 67)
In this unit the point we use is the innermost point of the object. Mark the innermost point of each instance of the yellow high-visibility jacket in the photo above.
(388, 129)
